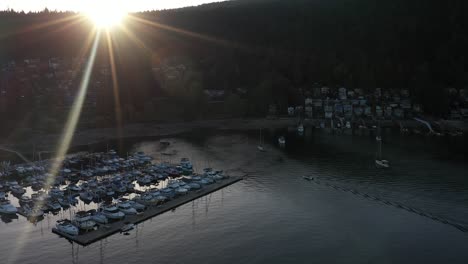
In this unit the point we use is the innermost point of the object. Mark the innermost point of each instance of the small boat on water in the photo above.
(300, 129)
(127, 227)
(308, 178)
(260, 147)
(282, 141)
(65, 226)
(379, 162)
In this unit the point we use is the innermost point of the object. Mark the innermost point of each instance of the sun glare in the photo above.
(106, 14)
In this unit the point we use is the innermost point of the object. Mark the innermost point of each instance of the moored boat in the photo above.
(65, 226)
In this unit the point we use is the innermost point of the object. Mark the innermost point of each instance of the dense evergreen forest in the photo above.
(271, 50)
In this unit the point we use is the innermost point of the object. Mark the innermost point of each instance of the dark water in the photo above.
(275, 216)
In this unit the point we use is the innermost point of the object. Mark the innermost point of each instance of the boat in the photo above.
(31, 212)
(282, 141)
(86, 196)
(379, 162)
(74, 188)
(24, 200)
(112, 212)
(53, 206)
(98, 217)
(63, 201)
(181, 191)
(65, 226)
(260, 147)
(127, 227)
(308, 178)
(300, 129)
(136, 205)
(56, 192)
(146, 199)
(17, 190)
(7, 208)
(126, 208)
(83, 221)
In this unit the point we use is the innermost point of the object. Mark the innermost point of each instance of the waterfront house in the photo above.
(325, 90)
(378, 111)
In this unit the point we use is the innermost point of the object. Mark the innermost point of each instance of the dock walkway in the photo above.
(115, 227)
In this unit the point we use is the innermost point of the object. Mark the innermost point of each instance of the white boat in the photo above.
(7, 208)
(74, 188)
(126, 208)
(127, 227)
(382, 163)
(112, 212)
(308, 178)
(282, 141)
(83, 221)
(379, 162)
(65, 226)
(146, 199)
(194, 185)
(348, 125)
(98, 217)
(136, 205)
(260, 147)
(300, 129)
(181, 191)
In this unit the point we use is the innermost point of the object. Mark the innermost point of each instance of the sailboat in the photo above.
(260, 147)
(379, 162)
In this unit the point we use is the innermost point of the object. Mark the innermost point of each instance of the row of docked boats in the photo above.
(108, 212)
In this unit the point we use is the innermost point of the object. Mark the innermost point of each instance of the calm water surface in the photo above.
(275, 216)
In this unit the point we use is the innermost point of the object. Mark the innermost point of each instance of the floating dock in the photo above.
(115, 227)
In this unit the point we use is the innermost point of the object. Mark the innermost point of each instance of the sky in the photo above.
(79, 5)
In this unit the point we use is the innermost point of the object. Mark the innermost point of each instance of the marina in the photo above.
(121, 192)
(112, 228)
(320, 189)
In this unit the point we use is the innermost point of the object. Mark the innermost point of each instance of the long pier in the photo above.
(107, 230)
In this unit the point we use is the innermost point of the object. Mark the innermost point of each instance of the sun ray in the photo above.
(74, 114)
(65, 141)
(135, 39)
(184, 32)
(43, 25)
(115, 88)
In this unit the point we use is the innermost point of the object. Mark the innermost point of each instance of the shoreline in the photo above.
(47, 142)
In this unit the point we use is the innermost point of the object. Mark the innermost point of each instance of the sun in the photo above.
(106, 14)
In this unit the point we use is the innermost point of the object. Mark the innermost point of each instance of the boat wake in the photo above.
(398, 205)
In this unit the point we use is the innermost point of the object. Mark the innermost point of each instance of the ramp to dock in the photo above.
(115, 227)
